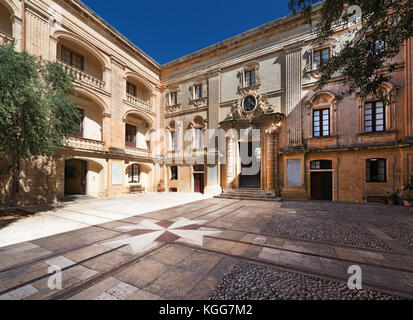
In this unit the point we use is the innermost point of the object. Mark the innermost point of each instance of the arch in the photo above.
(137, 77)
(12, 7)
(197, 122)
(91, 95)
(6, 24)
(140, 114)
(171, 125)
(83, 176)
(323, 96)
(88, 46)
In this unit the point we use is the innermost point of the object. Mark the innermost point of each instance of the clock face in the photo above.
(249, 103)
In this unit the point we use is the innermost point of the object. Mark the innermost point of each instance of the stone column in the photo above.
(213, 170)
(269, 161)
(230, 162)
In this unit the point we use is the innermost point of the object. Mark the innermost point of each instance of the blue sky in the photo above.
(167, 30)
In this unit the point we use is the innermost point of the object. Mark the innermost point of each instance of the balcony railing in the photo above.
(83, 76)
(137, 151)
(4, 38)
(83, 143)
(138, 102)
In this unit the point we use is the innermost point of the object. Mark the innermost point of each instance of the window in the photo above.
(374, 117)
(130, 89)
(199, 138)
(321, 165)
(376, 170)
(321, 57)
(375, 46)
(198, 91)
(174, 141)
(321, 123)
(174, 98)
(79, 132)
(130, 136)
(199, 168)
(174, 173)
(134, 172)
(249, 78)
(72, 58)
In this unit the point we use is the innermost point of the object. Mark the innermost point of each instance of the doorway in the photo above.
(321, 181)
(199, 178)
(75, 177)
(246, 179)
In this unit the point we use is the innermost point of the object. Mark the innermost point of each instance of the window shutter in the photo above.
(168, 99)
(204, 89)
(309, 60)
(191, 92)
(178, 97)
(257, 76)
(136, 172)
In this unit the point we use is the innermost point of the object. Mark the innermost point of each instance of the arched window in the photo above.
(134, 171)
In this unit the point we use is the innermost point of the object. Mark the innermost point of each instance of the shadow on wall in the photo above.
(37, 183)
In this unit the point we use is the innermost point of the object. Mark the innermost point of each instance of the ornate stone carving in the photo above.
(173, 108)
(239, 113)
(203, 102)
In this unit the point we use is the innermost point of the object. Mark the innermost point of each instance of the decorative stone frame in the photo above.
(390, 110)
(168, 103)
(199, 102)
(309, 69)
(322, 100)
(242, 88)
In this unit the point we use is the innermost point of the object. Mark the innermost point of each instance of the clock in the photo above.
(250, 103)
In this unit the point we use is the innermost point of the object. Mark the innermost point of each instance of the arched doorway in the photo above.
(75, 177)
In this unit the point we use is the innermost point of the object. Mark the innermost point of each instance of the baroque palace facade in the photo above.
(311, 145)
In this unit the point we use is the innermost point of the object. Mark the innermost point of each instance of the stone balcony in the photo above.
(83, 77)
(137, 102)
(86, 144)
(138, 152)
(4, 38)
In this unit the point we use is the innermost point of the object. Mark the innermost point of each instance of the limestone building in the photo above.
(311, 145)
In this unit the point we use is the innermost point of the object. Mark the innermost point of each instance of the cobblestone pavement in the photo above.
(216, 248)
(255, 282)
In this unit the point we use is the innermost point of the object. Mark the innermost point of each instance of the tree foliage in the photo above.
(366, 60)
(36, 111)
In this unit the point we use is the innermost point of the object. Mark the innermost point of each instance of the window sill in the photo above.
(199, 102)
(322, 142)
(376, 133)
(375, 137)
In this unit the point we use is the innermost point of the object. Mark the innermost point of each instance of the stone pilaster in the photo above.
(293, 94)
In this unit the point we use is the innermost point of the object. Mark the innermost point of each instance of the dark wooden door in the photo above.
(84, 176)
(322, 186)
(199, 182)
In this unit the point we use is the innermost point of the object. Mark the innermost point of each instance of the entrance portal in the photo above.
(199, 178)
(246, 179)
(199, 182)
(321, 180)
(75, 177)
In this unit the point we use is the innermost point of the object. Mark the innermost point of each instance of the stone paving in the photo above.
(191, 250)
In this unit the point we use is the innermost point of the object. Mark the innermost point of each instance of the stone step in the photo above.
(256, 198)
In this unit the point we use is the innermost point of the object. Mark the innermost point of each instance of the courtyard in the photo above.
(173, 246)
